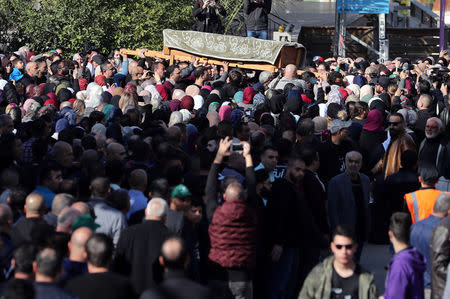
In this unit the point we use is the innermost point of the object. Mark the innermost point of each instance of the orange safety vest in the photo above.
(421, 202)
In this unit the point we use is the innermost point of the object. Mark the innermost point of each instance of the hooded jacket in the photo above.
(318, 283)
(405, 277)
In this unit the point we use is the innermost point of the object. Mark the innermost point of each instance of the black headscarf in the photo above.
(107, 97)
(277, 103)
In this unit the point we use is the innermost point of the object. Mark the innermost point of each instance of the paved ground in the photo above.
(375, 258)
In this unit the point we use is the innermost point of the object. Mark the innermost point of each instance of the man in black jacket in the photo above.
(257, 12)
(174, 259)
(139, 247)
(99, 283)
(291, 226)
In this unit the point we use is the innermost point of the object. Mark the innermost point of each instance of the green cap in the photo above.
(180, 191)
(84, 221)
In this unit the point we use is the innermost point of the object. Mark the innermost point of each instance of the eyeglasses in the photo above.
(393, 123)
(347, 246)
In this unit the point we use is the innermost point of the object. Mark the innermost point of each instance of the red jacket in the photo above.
(233, 233)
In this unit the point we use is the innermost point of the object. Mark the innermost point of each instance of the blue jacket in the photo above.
(405, 277)
(341, 202)
(420, 239)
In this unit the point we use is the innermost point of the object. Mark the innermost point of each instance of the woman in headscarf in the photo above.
(187, 102)
(248, 95)
(213, 118)
(366, 93)
(174, 105)
(225, 112)
(32, 110)
(276, 103)
(372, 135)
(198, 102)
(93, 95)
(175, 118)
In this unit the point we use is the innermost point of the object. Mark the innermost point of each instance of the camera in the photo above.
(236, 147)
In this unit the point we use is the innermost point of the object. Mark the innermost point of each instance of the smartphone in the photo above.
(236, 147)
(313, 80)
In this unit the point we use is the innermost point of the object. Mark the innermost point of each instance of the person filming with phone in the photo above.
(207, 16)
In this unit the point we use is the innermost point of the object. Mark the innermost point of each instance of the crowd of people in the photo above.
(128, 177)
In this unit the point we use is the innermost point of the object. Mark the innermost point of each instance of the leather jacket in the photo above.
(439, 257)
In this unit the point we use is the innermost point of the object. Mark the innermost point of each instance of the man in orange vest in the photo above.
(420, 203)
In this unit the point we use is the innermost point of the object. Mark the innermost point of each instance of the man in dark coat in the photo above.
(434, 149)
(291, 226)
(348, 199)
(174, 259)
(207, 16)
(139, 247)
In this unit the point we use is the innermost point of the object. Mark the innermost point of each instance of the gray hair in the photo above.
(157, 207)
(67, 217)
(438, 121)
(353, 153)
(442, 203)
(61, 201)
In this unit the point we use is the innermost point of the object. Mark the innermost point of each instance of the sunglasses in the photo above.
(393, 123)
(347, 246)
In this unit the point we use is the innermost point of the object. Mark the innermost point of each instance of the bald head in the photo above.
(174, 254)
(77, 244)
(34, 205)
(290, 71)
(82, 207)
(138, 180)
(234, 191)
(115, 151)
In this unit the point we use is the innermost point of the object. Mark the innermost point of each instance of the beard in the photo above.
(395, 133)
(431, 135)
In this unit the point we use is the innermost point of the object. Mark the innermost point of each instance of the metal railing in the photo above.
(420, 16)
(274, 23)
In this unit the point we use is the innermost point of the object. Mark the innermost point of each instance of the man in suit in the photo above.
(174, 259)
(348, 199)
(139, 248)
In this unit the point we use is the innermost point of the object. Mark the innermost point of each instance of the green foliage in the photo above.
(45, 24)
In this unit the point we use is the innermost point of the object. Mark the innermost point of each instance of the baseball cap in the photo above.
(180, 191)
(84, 221)
(318, 58)
(338, 125)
